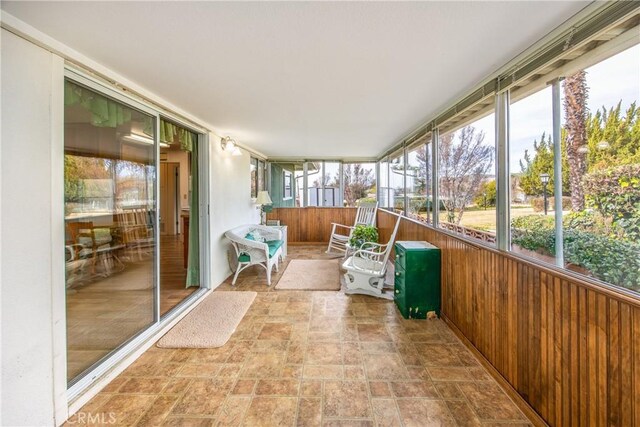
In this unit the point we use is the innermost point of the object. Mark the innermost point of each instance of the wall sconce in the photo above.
(230, 146)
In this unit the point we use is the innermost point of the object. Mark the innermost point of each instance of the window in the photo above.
(531, 159)
(288, 187)
(600, 163)
(467, 181)
(257, 170)
(261, 176)
(324, 183)
(396, 183)
(253, 167)
(419, 166)
(359, 182)
(299, 185)
(385, 194)
(331, 184)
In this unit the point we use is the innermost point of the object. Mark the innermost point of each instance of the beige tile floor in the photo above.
(304, 358)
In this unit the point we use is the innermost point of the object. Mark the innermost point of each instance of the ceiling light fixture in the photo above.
(140, 139)
(230, 146)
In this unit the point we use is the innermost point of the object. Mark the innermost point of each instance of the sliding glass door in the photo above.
(110, 225)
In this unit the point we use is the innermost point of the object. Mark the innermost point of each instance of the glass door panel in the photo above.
(179, 214)
(110, 233)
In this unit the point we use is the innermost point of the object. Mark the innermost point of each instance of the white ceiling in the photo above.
(302, 79)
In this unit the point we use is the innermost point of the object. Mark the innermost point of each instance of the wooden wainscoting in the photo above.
(311, 225)
(571, 349)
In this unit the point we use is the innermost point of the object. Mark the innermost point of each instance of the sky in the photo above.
(612, 80)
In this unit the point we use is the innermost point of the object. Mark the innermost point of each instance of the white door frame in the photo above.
(68, 399)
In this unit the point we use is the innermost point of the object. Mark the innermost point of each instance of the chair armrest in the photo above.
(335, 224)
(362, 253)
(374, 245)
(73, 251)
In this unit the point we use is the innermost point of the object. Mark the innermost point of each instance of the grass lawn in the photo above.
(481, 219)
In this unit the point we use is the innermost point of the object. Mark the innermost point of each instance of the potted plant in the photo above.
(362, 234)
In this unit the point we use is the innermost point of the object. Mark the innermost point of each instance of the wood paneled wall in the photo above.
(311, 225)
(571, 349)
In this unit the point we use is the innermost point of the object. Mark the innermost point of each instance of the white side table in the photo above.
(283, 229)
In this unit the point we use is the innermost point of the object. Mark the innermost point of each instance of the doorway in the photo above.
(169, 198)
(178, 165)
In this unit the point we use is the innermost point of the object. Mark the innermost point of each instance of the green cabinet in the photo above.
(417, 279)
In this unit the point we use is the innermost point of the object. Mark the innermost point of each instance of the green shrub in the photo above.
(533, 232)
(366, 200)
(362, 234)
(607, 258)
(614, 191)
(610, 260)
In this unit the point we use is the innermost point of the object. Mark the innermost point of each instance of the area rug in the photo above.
(211, 323)
(311, 275)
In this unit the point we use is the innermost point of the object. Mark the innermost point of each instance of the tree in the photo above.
(487, 194)
(423, 174)
(357, 182)
(464, 164)
(542, 162)
(621, 135)
(78, 170)
(326, 180)
(575, 114)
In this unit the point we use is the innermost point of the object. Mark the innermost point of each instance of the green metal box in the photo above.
(417, 279)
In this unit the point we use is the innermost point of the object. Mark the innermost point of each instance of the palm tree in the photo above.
(575, 114)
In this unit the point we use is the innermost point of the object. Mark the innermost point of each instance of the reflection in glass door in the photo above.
(110, 233)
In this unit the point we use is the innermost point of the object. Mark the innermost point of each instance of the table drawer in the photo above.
(399, 277)
(401, 257)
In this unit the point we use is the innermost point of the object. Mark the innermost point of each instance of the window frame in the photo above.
(287, 175)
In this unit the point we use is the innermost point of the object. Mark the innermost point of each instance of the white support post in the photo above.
(404, 179)
(503, 179)
(435, 166)
(557, 172)
(341, 178)
(378, 188)
(321, 198)
(305, 185)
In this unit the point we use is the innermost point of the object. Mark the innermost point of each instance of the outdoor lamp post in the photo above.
(485, 200)
(544, 178)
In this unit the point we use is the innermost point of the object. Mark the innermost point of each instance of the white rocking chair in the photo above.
(365, 215)
(367, 267)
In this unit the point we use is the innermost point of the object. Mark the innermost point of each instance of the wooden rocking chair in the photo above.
(367, 267)
(365, 215)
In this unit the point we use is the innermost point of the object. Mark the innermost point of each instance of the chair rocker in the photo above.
(365, 215)
(366, 268)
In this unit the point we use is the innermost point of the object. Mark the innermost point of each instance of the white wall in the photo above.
(230, 203)
(27, 338)
(32, 231)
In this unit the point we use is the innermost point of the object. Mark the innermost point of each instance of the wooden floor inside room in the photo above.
(311, 358)
(104, 312)
(173, 274)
